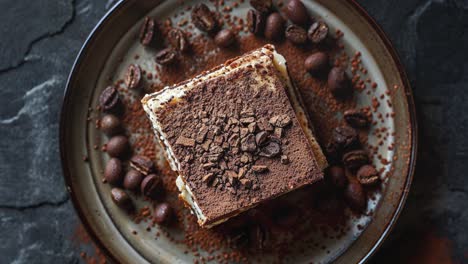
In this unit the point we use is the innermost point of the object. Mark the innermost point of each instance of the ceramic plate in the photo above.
(112, 46)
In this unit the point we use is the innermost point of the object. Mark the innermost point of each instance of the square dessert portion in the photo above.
(237, 136)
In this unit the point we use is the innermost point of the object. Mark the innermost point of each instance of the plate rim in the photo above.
(369, 19)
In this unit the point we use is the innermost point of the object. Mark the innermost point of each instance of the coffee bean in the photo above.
(345, 137)
(356, 118)
(336, 175)
(109, 100)
(270, 149)
(166, 56)
(133, 76)
(225, 38)
(274, 28)
(162, 213)
(297, 12)
(147, 32)
(178, 39)
(256, 22)
(338, 83)
(142, 164)
(296, 34)
(263, 6)
(151, 186)
(317, 63)
(333, 151)
(121, 199)
(132, 180)
(110, 125)
(318, 32)
(261, 137)
(355, 196)
(118, 146)
(367, 175)
(353, 160)
(204, 19)
(113, 172)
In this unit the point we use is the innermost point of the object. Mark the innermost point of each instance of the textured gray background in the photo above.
(40, 40)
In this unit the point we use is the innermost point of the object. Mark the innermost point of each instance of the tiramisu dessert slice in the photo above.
(237, 136)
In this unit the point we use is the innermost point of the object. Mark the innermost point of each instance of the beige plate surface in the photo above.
(113, 39)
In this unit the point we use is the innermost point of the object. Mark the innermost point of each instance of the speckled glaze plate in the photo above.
(110, 48)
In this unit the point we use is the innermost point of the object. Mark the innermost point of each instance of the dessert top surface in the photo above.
(237, 140)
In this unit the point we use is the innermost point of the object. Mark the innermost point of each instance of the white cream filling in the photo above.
(152, 102)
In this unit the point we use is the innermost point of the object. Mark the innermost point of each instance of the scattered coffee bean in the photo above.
(151, 186)
(338, 83)
(109, 100)
(333, 151)
(162, 213)
(121, 199)
(256, 22)
(261, 137)
(166, 56)
(178, 39)
(110, 125)
(336, 175)
(142, 164)
(204, 19)
(318, 32)
(133, 76)
(225, 38)
(356, 118)
(367, 175)
(317, 63)
(353, 160)
(263, 6)
(147, 32)
(297, 12)
(118, 146)
(113, 172)
(355, 196)
(296, 34)
(274, 28)
(345, 137)
(270, 149)
(132, 180)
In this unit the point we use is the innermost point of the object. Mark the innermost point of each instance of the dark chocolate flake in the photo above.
(248, 143)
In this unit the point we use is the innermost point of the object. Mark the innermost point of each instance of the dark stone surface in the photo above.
(40, 40)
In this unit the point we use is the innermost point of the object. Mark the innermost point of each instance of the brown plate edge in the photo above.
(372, 23)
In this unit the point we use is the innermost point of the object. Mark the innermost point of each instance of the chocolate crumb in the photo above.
(186, 142)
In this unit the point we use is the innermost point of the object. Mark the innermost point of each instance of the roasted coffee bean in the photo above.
(356, 118)
(113, 172)
(274, 28)
(256, 22)
(132, 180)
(109, 100)
(151, 186)
(345, 137)
(118, 146)
(338, 83)
(261, 137)
(142, 164)
(121, 199)
(258, 236)
(263, 6)
(166, 56)
(297, 12)
(178, 39)
(317, 63)
(333, 151)
(336, 175)
(367, 175)
(355, 196)
(225, 38)
(133, 76)
(353, 160)
(162, 213)
(204, 19)
(318, 32)
(270, 149)
(148, 32)
(110, 125)
(296, 34)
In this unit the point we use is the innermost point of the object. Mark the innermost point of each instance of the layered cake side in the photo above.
(236, 135)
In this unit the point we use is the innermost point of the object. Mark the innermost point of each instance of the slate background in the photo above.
(40, 39)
